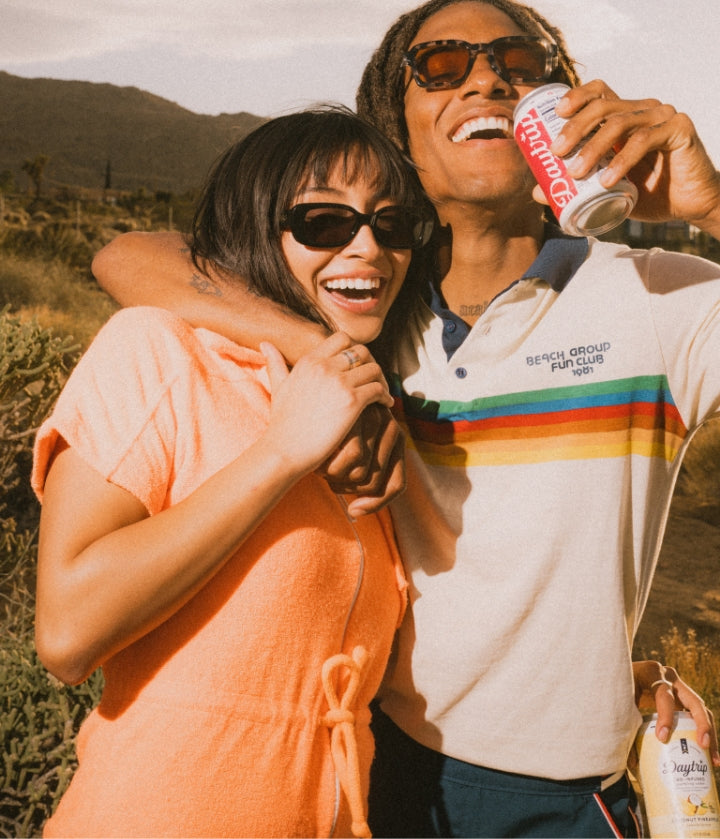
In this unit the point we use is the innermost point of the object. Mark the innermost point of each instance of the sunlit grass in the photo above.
(697, 660)
(61, 298)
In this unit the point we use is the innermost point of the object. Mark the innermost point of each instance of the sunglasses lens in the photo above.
(396, 227)
(445, 64)
(442, 66)
(335, 225)
(521, 61)
(324, 227)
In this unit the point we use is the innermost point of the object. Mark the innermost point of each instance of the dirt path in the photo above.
(686, 590)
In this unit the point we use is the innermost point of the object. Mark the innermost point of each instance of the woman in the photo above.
(242, 618)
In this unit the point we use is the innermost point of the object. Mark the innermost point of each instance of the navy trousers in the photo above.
(415, 791)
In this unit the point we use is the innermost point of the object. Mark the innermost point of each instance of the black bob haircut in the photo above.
(236, 226)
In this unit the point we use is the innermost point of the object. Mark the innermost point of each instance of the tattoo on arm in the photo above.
(204, 285)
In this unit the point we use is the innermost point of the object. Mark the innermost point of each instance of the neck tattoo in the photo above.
(474, 310)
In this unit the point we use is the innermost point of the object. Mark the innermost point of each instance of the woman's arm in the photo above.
(92, 602)
(155, 269)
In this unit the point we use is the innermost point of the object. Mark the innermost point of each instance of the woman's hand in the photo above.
(315, 406)
(656, 147)
(660, 689)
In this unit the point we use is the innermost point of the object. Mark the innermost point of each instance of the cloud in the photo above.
(597, 28)
(35, 30)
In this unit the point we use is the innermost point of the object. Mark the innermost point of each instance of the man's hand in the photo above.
(656, 147)
(370, 463)
(660, 689)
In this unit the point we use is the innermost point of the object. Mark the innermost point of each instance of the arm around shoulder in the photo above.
(155, 269)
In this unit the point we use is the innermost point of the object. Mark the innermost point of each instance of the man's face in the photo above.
(462, 138)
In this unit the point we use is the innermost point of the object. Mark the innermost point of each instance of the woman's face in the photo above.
(354, 284)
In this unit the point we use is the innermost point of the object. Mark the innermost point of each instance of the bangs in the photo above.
(354, 152)
(385, 175)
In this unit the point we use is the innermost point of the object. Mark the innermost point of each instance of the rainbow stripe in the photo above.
(595, 420)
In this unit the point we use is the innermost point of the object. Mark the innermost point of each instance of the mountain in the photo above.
(148, 141)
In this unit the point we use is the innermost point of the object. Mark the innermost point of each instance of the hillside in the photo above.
(149, 141)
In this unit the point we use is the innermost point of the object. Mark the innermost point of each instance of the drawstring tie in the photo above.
(343, 743)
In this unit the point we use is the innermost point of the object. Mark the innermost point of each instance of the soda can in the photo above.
(677, 782)
(582, 206)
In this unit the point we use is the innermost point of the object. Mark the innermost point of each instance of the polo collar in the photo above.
(559, 259)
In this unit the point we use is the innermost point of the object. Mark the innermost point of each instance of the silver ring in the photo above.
(661, 682)
(352, 357)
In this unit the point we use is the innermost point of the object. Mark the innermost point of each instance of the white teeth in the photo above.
(354, 284)
(482, 124)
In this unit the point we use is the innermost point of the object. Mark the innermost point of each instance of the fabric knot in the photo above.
(338, 715)
(343, 743)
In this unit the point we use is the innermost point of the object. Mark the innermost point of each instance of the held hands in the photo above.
(315, 406)
(657, 148)
(660, 689)
(370, 463)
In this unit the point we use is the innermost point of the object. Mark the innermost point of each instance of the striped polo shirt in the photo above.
(544, 444)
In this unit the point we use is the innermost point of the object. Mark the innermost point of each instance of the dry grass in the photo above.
(697, 660)
(61, 298)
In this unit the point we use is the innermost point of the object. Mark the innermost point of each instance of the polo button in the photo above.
(461, 372)
(450, 326)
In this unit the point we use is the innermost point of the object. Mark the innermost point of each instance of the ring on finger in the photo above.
(352, 357)
(658, 682)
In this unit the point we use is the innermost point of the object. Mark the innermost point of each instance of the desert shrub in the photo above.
(34, 364)
(38, 716)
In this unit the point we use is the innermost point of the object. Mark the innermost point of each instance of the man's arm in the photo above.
(155, 269)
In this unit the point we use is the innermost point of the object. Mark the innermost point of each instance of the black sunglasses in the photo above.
(517, 59)
(335, 225)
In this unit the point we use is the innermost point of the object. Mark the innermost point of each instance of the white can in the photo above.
(677, 782)
(582, 206)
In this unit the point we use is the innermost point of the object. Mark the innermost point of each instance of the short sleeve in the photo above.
(116, 408)
(685, 300)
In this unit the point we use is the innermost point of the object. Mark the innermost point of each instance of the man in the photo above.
(549, 388)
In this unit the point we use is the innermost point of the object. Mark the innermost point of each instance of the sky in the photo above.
(268, 57)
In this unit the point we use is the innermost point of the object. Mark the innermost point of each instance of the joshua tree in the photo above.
(35, 170)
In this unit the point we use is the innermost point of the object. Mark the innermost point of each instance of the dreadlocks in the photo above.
(380, 97)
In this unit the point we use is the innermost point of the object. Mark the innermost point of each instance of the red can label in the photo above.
(582, 206)
(532, 134)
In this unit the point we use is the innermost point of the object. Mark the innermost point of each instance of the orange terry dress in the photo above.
(217, 722)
